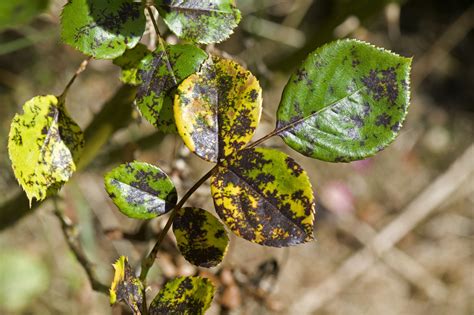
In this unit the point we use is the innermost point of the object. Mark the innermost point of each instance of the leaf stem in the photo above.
(79, 70)
(264, 138)
(71, 236)
(152, 18)
(147, 263)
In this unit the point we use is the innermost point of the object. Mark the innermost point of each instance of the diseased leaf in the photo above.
(203, 22)
(201, 238)
(130, 62)
(184, 296)
(346, 102)
(44, 143)
(126, 287)
(14, 13)
(159, 73)
(103, 29)
(265, 197)
(218, 109)
(140, 190)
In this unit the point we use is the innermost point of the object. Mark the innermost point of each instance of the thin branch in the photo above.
(152, 18)
(71, 237)
(147, 263)
(79, 70)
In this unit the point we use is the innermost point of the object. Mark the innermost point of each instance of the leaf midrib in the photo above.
(329, 106)
(233, 171)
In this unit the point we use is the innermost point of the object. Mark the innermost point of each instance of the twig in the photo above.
(79, 70)
(429, 200)
(71, 237)
(150, 259)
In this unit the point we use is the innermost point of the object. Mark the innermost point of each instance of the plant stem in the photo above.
(264, 138)
(147, 263)
(152, 17)
(79, 70)
(71, 237)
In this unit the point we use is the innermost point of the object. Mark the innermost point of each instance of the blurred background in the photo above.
(394, 232)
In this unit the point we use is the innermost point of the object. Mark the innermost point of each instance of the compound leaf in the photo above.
(346, 102)
(203, 22)
(129, 62)
(184, 296)
(159, 73)
(265, 197)
(103, 29)
(44, 143)
(126, 287)
(201, 238)
(14, 13)
(218, 109)
(140, 190)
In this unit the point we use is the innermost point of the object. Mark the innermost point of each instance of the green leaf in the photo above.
(218, 109)
(23, 277)
(184, 296)
(201, 238)
(265, 197)
(103, 29)
(18, 12)
(126, 287)
(129, 62)
(346, 102)
(159, 73)
(203, 22)
(44, 143)
(140, 190)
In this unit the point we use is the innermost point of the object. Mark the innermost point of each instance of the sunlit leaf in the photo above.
(103, 29)
(44, 143)
(126, 287)
(346, 102)
(264, 196)
(17, 12)
(129, 62)
(140, 190)
(201, 238)
(202, 22)
(218, 109)
(184, 296)
(159, 73)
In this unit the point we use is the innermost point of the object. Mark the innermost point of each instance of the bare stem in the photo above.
(147, 263)
(79, 70)
(71, 236)
(264, 138)
(152, 18)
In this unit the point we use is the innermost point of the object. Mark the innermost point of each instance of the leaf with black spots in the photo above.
(203, 22)
(184, 296)
(126, 287)
(44, 144)
(218, 109)
(159, 73)
(18, 12)
(129, 62)
(103, 29)
(346, 102)
(140, 190)
(265, 197)
(201, 238)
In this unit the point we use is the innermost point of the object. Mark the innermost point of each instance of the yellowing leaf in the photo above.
(265, 197)
(184, 296)
(43, 144)
(126, 287)
(218, 109)
(201, 238)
